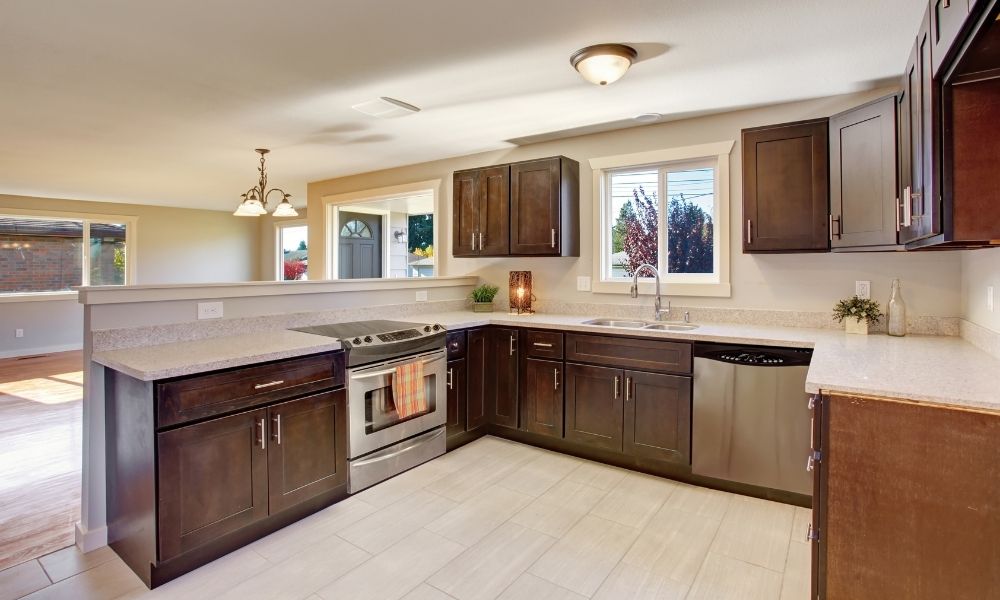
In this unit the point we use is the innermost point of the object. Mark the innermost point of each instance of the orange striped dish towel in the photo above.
(408, 390)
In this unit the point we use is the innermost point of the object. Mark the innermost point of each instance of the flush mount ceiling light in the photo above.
(604, 63)
(254, 201)
(648, 117)
(385, 107)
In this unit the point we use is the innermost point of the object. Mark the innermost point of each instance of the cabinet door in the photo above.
(307, 449)
(920, 213)
(535, 207)
(947, 19)
(477, 414)
(501, 377)
(863, 176)
(457, 397)
(594, 406)
(658, 416)
(786, 192)
(465, 218)
(212, 480)
(493, 236)
(543, 397)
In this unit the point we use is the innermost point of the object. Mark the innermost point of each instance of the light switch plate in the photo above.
(863, 289)
(422, 296)
(583, 284)
(209, 310)
(990, 298)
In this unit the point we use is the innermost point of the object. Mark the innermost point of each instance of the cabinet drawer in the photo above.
(456, 344)
(201, 396)
(643, 355)
(544, 344)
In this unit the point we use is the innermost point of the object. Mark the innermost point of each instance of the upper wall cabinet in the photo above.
(947, 17)
(863, 176)
(786, 188)
(529, 208)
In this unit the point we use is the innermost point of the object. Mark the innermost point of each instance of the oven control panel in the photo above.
(396, 336)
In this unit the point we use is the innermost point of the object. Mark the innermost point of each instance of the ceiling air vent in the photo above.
(385, 108)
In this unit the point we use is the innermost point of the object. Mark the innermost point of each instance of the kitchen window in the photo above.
(43, 256)
(669, 209)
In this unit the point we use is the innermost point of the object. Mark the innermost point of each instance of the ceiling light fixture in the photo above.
(254, 201)
(604, 63)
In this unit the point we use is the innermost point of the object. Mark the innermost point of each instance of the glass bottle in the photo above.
(896, 311)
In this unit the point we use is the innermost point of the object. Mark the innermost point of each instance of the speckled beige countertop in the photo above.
(933, 369)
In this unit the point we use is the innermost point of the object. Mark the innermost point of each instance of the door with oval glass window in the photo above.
(360, 246)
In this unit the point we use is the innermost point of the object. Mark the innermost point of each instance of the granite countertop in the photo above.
(932, 369)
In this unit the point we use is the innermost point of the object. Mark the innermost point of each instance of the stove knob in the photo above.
(357, 340)
(437, 328)
(368, 339)
(428, 327)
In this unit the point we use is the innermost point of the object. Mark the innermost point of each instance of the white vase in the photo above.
(858, 326)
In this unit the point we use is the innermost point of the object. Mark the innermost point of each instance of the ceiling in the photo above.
(164, 102)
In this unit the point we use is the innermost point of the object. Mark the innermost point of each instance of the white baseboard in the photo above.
(42, 350)
(87, 540)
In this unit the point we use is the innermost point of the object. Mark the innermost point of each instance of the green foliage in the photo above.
(689, 237)
(119, 259)
(484, 293)
(421, 231)
(858, 308)
(302, 245)
(625, 215)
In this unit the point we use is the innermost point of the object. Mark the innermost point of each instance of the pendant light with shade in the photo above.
(254, 202)
(602, 64)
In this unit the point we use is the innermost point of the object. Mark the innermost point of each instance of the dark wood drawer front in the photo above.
(644, 355)
(544, 344)
(203, 396)
(456, 344)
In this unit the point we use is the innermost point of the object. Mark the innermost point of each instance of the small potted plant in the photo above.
(857, 314)
(482, 297)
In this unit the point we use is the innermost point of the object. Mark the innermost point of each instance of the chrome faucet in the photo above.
(660, 312)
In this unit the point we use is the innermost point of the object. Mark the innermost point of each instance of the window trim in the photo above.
(131, 242)
(718, 153)
(279, 255)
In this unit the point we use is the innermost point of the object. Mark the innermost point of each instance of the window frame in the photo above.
(715, 155)
(131, 241)
(279, 254)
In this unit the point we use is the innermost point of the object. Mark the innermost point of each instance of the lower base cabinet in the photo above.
(658, 416)
(457, 397)
(594, 406)
(542, 391)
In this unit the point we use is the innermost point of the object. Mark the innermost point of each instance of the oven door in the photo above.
(374, 421)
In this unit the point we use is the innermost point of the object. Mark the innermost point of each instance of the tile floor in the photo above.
(494, 519)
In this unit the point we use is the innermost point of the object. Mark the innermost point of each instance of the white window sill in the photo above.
(38, 296)
(713, 290)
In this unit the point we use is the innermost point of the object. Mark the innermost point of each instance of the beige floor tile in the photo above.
(427, 592)
(796, 583)
(634, 500)
(207, 582)
(21, 580)
(402, 485)
(539, 474)
(109, 580)
(472, 520)
(629, 582)
(385, 527)
(586, 555)
(285, 542)
(558, 509)
(467, 482)
(398, 570)
(756, 531)
(673, 545)
(730, 579)
(69, 561)
(483, 571)
(529, 587)
(597, 475)
(800, 525)
(700, 501)
(301, 574)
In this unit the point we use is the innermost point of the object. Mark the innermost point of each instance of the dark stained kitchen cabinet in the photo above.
(657, 417)
(543, 397)
(786, 187)
(863, 176)
(481, 207)
(946, 20)
(457, 397)
(544, 207)
(477, 413)
(594, 406)
(501, 377)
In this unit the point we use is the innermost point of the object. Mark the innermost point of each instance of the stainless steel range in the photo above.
(382, 442)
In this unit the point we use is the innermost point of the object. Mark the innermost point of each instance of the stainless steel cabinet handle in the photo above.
(811, 534)
(277, 428)
(810, 463)
(263, 434)
(555, 379)
(480, 241)
(512, 345)
(541, 345)
(749, 231)
(628, 388)
(907, 207)
(473, 240)
(840, 228)
(811, 404)
(268, 384)
(616, 387)
(553, 238)
(451, 374)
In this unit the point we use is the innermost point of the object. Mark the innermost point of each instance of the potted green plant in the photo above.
(857, 314)
(482, 297)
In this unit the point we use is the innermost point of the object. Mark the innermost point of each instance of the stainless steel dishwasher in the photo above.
(751, 421)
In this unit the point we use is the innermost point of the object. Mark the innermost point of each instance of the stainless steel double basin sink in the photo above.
(635, 324)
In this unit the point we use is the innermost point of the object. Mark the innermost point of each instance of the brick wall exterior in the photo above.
(39, 263)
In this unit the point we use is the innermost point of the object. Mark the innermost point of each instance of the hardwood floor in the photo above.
(40, 454)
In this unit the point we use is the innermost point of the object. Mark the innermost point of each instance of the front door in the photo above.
(360, 246)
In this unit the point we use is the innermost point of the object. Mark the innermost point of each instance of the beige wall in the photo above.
(932, 281)
(173, 245)
(981, 269)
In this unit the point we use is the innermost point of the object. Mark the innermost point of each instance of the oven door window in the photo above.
(380, 406)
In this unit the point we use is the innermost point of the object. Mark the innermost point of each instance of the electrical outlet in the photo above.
(209, 310)
(989, 299)
(19, 333)
(583, 284)
(863, 289)
(422, 296)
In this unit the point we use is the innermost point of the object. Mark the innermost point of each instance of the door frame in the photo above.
(335, 233)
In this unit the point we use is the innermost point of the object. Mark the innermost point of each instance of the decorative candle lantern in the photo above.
(520, 292)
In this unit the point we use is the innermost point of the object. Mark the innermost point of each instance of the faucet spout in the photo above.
(657, 303)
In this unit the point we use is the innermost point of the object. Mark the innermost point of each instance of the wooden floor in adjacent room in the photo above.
(40, 454)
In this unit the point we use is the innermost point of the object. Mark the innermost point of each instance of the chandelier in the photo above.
(254, 202)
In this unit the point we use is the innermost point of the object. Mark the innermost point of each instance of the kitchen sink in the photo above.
(671, 326)
(617, 323)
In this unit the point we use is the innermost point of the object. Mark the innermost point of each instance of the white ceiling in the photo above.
(163, 102)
